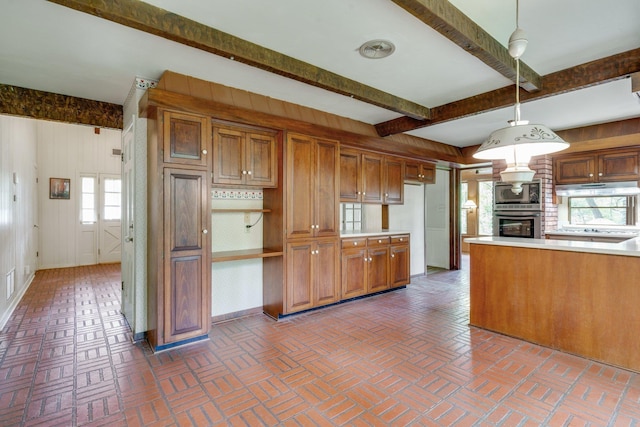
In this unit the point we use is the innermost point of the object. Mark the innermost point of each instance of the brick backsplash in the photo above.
(543, 167)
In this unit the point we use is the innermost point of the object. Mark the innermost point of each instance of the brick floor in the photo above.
(403, 358)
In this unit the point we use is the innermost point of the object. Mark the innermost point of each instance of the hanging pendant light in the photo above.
(520, 141)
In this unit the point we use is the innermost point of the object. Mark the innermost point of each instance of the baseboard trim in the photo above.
(235, 315)
(14, 304)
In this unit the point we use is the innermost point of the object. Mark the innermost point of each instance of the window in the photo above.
(112, 199)
(607, 210)
(88, 199)
(352, 217)
(485, 208)
(464, 195)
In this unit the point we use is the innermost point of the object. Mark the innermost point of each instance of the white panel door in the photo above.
(128, 192)
(109, 219)
(88, 230)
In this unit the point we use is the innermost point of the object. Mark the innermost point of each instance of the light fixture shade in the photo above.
(517, 43)
(527, 140)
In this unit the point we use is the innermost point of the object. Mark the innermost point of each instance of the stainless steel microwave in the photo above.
(528, 199)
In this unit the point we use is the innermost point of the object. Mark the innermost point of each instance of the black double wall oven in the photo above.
(517, 215)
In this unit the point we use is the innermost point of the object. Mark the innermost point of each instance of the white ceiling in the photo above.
(49, 47)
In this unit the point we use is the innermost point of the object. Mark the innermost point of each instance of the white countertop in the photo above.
(584, 233)
(368, 233)
(629, 247)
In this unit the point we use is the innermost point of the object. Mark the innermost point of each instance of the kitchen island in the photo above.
(578, 297)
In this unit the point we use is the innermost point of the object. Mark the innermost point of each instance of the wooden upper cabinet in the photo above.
(350, 176)
(393, 181)
(361, 177)
(244, 157)
(621, 166)
(607, 166)
(420, 173)
(185, 139)
(575, 170)
(312, 187)
(372, 178)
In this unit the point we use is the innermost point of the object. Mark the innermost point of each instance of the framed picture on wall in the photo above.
(59, 188)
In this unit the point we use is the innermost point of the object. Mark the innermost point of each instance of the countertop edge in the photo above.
(629, 247)
(369, 233)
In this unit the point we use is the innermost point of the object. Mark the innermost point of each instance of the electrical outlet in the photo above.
(247, 218)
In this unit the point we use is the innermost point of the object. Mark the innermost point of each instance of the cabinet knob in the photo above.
(590, 175)
(600, 174)
(249, 172)
(379, 241)
(244, 172)
(205, 231)
(370, 259)
(386, 194)
(363, 193)
(204, 152)
(355, 243)
(359, 192)
(393, 255)
(401, 239)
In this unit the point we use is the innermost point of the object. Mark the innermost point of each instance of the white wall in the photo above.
(437, 224)
(235, 285)
(411, 217)
(66, 151)
(18, 207)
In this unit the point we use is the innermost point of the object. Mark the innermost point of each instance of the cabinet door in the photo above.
(394, 181)
(412, 172)
(575, 170)
(300, 186)
(326, 272)
(354, 272)
(428, 173)
(185, 139)
(228, 155)
(621, 166)
(399, 265)
(327, 180)
(186, 307)
(350, 177)
(372, 178)
(299, 280)
(378, 274)
(261, 161)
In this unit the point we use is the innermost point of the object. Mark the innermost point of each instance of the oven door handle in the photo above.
(517, 215)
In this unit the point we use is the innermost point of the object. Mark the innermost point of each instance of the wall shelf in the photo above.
(244, 254)
(239, 210)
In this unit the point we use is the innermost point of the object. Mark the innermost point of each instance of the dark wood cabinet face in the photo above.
(300, 186)
(354, 272)
(378, 274)
(325, 265)
(185, 139)
(394, 182)
(599, 166)
(244, 158)
(186, 290)
(576, 170)
(372, 178)
(400, 266)
(350, 171)
(327, 216)
(299, 277)
(618, 167)
(185, 306)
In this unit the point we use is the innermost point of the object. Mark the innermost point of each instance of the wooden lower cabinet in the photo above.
(312, 276)
(374, 264)
(400, 262)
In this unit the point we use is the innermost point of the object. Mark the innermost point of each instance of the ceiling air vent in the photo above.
(376, 49)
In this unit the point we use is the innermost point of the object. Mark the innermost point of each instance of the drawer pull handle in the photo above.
(205, 231)
(204, 152)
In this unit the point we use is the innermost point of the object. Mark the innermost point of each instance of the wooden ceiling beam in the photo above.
(148, 18)
(449, 21)
(592, 73)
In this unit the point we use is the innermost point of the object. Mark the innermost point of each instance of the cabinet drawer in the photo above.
(356, 242)
(377, 241)
(404, 238)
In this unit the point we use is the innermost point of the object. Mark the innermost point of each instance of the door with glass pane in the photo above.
(87, 253)
(110, 246)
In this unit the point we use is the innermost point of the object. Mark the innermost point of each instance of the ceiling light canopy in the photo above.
(377, 49)
(520, 141)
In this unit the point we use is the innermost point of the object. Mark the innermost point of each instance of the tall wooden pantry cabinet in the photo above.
(179, 248)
